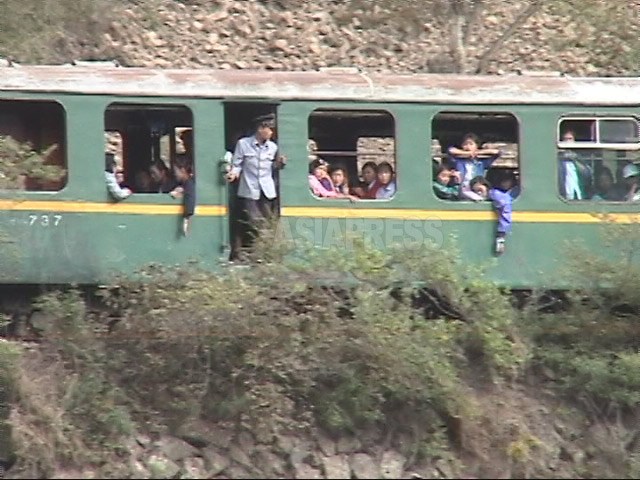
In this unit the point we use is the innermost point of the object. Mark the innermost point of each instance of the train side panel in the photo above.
(80, 235)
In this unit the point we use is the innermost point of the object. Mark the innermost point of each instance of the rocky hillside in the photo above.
(593, 37)
(373, 35)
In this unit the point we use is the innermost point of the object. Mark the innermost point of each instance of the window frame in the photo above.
(142, 106)
(444, 152)
(64, 138)
(597, 143)
(590, 145)
(319, 153)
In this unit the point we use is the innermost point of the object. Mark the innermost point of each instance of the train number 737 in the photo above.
(44, 220)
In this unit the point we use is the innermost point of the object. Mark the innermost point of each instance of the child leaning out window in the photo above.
(502, 200)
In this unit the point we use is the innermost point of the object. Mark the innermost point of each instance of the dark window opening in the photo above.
(497, 138)
(356, 141)
(146, 140)
(32, 146)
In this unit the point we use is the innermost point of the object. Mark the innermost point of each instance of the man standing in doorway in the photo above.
(253, 163)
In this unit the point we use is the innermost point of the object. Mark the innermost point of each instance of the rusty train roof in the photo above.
(335, 84)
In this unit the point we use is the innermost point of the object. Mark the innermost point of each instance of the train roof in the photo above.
(328, 84)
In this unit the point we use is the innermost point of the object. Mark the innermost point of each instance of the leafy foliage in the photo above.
(18, 161)
(592, 346)
(282, 347)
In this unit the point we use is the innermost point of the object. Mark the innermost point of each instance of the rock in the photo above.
(492, 20)
(286, 443)
(153, 40)
(138, 470)
(314, 48)
(548, 373)
(161, 467)
(194, 432)
(42, 322)
(175, 449)
(336, 466)
(444, 468)
(220, 437)
(326, 445)
(237, 455)
(194, 467)
(569, 453)
(392, 464)
(363, 466)
(238, 472)
(560, 428)
(270, 464)
(246, 443)
(214, 461)
(68, 474)
(217, 16)
(134, 449)
(287, 18)
(348, 445)
(299, 454)
(305, 471)
(280, 44)
(264, 433)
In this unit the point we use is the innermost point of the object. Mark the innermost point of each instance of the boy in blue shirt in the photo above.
(471, 161)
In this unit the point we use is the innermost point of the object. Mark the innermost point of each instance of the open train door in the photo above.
(239, 121)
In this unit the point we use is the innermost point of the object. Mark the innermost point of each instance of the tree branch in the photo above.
(527, 13)
(472, 18)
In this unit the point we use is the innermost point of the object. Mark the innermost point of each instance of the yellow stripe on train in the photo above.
(459, 215)
(101, 207)
(318, 212)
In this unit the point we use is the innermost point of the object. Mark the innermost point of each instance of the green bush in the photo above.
(19, 159)
(591, 347)
(352, 346)
(350, 353)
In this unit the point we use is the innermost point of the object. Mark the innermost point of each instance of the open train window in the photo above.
(494, 135)
(145, 140)
(621, 133)
(599, 158)
(357, 146)
(32, 146)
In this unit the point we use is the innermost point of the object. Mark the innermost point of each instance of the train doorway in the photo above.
(240, 121)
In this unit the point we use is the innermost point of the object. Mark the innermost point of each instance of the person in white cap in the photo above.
(631, 176)
(253, 163)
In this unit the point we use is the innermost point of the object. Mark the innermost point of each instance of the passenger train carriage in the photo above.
(72, 231)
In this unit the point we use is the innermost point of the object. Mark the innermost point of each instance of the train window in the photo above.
(32, 146)
(599, 158)
(355, 150)
(493, 138)
(146, 139)
(605, 132)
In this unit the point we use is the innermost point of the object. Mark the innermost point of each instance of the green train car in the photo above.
(71, 231)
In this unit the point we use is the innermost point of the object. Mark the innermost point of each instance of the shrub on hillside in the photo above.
(592, 344)
(284, 346)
